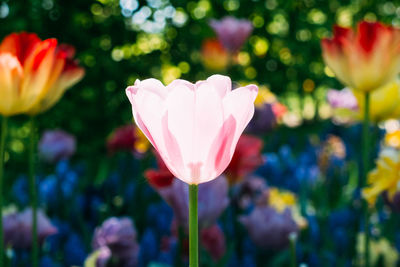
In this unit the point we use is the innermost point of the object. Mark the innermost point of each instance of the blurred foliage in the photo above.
(120, 41)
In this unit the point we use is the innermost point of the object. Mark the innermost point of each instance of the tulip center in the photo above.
(195, 170)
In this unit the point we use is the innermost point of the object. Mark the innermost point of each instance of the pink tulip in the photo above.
(194, 127)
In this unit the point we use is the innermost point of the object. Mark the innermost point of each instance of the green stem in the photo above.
(193, 227)
(2, 161)
(365, 163)
(32, 186)
(292, 239)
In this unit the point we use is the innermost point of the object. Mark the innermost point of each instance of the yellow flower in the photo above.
(384, 102)
(393, 139)
(142, 144)
(280, 200)
(378, 248)
(264, 96)
(348, 104)
(385, 177)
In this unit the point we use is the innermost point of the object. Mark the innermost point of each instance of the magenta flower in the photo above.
(213, 199)
(56, 145)
(269, 228)
(194, 127)
(232, 32)
(18, 228)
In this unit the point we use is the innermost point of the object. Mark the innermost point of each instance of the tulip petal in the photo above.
(208, 118)
(183, 83)
(180, 105)
(240, 104)
(194, 115)
(148, 109)
(70, 75)
(38, 71)
(172, 154)
(220, 153)
(20, 45)
(10, 79)
(222, 84)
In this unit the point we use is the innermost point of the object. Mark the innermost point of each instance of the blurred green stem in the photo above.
(365, 163)
(193, 227)
(32, 186)
(2, 161)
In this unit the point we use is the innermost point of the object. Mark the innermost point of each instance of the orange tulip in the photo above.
(34, 74)
(366, 59)
(214, 56)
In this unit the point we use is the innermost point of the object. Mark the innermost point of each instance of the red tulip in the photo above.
(34, 74)
(365, 59)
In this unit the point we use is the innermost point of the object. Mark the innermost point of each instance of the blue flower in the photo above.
(148, 247)
(48, 190)
(46, 261)
(20, 191)
(159, 217)
(343, 218)
(62, 167)
(74, 250)
(314, 230)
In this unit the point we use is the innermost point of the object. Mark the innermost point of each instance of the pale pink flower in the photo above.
(342, 99)
(194, 127)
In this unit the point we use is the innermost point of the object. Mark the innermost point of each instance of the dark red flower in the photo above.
(213, 240)
(161, 177)
(123, 138)
(247, 158)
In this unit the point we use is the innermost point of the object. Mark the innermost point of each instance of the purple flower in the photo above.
(118, 236)
(264, 119)
(251, 191)
(18, 228)
(213, 199)
(103, 257)
(268, 228)
(342, 99)
(56, 145)
(394, 202)
(232, 32)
